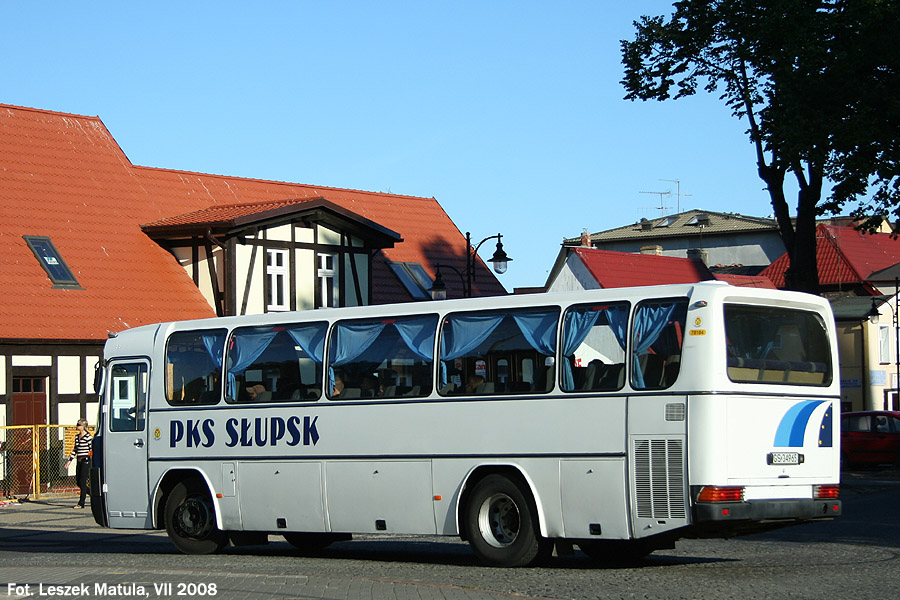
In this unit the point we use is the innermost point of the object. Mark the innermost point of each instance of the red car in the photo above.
(871, 437)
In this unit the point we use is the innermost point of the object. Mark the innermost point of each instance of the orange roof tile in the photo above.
(623, 269)
(756, 281)
(64, 176)
(844, 256)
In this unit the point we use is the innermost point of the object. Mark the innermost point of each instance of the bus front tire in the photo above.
(501, 524)
(191, 521)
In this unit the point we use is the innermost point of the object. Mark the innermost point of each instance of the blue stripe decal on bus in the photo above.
(793, 425)
(825, 431)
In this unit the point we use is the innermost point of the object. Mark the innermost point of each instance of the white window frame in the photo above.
(277, 279)
(327, 280)
(884, 344)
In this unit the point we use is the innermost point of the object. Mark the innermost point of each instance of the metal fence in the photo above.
(32, 461)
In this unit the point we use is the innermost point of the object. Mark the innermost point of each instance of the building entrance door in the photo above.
(29, 404)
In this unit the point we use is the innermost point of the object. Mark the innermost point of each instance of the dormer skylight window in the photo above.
(699, 220)
(51, 261)
(414, 278)
(665, 222)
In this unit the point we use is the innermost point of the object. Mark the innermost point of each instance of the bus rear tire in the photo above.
(501, 525)
(191, 521)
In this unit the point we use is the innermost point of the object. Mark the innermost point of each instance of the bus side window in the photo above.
(193, 366)
(657, 337)
(480, 349)
(382, 358)
(593, 353)
(280, 363)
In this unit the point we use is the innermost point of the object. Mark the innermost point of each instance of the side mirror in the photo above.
(98, 377)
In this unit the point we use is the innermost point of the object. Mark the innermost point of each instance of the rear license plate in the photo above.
(784, 458)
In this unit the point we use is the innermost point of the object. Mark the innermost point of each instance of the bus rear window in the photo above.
(768, 344)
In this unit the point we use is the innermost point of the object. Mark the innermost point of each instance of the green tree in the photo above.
(817, 82)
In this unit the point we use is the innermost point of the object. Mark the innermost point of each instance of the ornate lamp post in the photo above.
(499, 260)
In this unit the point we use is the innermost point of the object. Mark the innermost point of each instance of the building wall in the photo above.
(741, 249)
(67, 371)
(574, 276)
(880, 384)
(248, 267)
(200, 271)
(249, 291)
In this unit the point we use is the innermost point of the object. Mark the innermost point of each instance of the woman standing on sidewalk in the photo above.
(82, 454)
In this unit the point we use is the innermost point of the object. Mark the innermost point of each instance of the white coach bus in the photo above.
(619, 420)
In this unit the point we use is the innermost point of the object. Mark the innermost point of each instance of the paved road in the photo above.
(857, 556)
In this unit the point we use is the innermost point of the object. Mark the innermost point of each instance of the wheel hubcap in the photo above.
(498, 520)
(194, 518)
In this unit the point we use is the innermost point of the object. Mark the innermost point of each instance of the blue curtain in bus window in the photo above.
(245, 349)
(311, 339)
(351, 340)
(355, 342)
(578, 325)
(649, 323)
(467, 332)
(215, 347)
(418, 334)
(539, 329)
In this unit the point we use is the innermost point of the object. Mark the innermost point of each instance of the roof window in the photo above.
(665, 222)
(414, 278)
(699, 220)
(49, 258)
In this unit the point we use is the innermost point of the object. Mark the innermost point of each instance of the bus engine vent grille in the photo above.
(659, 479)
(675, 411)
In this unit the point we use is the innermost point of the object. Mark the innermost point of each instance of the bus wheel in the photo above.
(191, 521)
(610, 551)
(501, 525)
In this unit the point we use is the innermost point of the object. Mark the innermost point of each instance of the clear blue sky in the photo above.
(509, 113)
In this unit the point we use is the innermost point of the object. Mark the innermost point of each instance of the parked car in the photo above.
(870, 437)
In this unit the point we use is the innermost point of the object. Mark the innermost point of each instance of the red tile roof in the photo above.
(623, 269)
(65, 177)
(844, 256)
(756, 281)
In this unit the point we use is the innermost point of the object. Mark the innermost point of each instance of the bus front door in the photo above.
(125, 483)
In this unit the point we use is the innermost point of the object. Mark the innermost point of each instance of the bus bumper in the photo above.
(766, 511)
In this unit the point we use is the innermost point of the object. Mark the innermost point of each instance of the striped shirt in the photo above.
(82, 447)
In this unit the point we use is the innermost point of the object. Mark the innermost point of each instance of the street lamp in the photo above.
(499, 260)
(438, 289)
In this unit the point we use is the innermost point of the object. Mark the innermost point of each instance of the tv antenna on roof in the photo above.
(662, 209)
(677, 183)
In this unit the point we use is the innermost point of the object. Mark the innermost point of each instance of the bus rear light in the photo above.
(720, 494)
(823, 492)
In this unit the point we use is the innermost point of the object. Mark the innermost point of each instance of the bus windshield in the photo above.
(769, 344)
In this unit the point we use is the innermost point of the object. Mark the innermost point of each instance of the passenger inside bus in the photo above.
(474, 383)
(258, 393)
